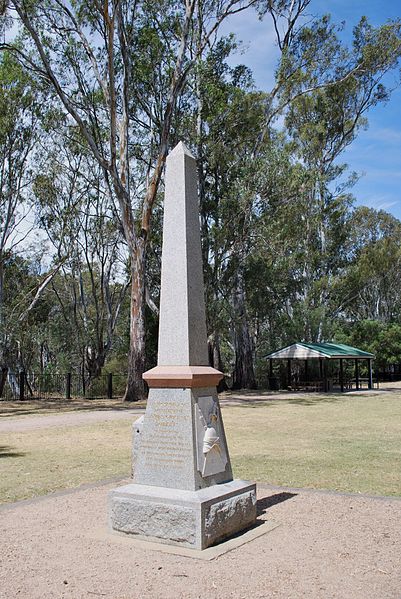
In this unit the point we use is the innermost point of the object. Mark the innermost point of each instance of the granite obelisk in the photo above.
(183, 491)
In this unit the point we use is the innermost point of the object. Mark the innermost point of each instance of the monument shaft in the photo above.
(183, 491)
(182, 328)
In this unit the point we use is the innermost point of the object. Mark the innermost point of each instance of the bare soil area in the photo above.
(328, 546)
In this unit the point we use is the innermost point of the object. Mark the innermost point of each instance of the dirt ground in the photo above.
(327, 546)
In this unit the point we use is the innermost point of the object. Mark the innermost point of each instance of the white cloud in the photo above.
(378, 202)
(385, 135)
(386, 205)
(383, 173)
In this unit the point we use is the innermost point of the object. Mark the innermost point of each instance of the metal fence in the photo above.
(31, 385)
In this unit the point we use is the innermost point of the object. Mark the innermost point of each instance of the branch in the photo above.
(175, 87)
(27, 22)
(151, 304)
(88, 50)
(39, 292)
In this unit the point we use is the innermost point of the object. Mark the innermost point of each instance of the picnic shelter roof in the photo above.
(304, 351)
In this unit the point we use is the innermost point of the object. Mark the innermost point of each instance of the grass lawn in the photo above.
(40, 461)
(348, 443)
(345, 443)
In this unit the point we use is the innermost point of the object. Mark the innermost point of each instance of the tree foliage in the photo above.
(94, 95)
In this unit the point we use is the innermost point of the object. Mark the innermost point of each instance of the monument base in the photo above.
(194, 519)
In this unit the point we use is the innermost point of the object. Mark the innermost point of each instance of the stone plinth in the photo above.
(169, 452)
(195, 519)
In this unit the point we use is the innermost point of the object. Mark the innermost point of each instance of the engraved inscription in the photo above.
(169, 445)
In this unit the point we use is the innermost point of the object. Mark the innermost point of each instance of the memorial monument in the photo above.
(183, 491)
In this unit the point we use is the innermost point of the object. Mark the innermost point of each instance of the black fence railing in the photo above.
(389, 377)
(31, 385)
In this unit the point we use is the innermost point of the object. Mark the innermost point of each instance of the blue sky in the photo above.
(376, 154)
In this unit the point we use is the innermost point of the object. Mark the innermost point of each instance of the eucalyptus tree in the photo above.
(231, 114)
(20, 108)
(17, 137)
(74, 210)
(323, 90)
(134, 59)
(368, 288)
(313, 55)
(19, 336)
(322, 124)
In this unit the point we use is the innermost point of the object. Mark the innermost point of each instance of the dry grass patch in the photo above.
(348, 443)
(45, 460)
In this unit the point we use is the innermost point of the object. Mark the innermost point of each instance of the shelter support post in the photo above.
(306, 370)
(370, 375)
(271, 367)
(323, 366)
(288, 373)
(356, 375)
(342, 375)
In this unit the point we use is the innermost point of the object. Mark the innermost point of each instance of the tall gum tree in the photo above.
(19, 131)
(74, 212)
(321, 125)
(118, 69)
(324, 89)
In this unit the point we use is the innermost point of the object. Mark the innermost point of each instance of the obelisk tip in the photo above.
(180, 148)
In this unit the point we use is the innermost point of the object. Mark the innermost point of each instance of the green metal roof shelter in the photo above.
(324, 352)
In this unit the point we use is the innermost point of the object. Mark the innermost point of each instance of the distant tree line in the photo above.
(93, 95)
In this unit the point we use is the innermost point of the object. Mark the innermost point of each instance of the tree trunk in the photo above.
(94, 362)
(243, 375)
(3, 379)
(135, 390)
(3, 366)
(1, 287)
(215, 358)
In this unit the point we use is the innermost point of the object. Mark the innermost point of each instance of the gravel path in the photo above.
(328, 546)
(12, 425)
